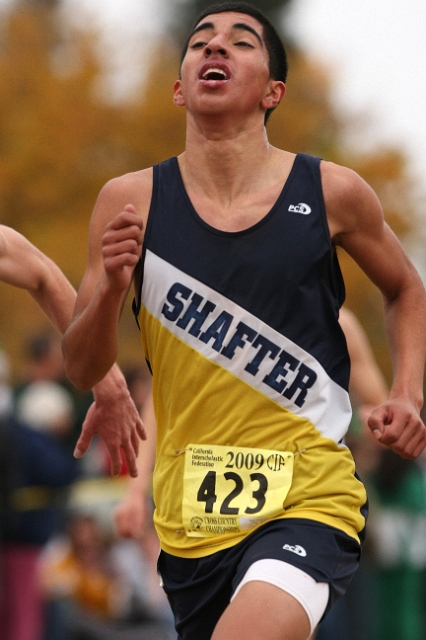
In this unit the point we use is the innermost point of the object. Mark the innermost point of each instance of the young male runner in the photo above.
(258, 509)
(113, 413)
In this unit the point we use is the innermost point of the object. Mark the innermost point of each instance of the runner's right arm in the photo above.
(90, 344)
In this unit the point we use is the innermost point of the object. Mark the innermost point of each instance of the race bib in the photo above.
(232, 489)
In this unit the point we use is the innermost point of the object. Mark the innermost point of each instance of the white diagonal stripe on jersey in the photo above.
(325, 403)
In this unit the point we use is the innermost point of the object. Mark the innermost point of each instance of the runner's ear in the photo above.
(275, 93)
(178, 98)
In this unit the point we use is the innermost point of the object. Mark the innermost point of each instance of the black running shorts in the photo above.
(200, 589)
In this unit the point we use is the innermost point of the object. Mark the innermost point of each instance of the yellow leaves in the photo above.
(47, 120)
(155, 127)
(386, 171)
(305, 120)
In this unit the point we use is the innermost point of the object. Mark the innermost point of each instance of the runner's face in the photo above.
(226, 66)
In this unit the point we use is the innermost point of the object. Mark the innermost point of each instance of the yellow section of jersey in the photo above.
(198, 401)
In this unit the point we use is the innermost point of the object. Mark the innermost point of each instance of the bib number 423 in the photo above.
(207, 493)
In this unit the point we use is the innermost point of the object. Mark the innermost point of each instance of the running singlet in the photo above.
(250, 368)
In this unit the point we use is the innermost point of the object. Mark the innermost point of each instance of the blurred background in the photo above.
(86, 94)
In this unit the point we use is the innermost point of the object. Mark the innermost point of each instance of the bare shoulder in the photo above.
(350, 202)
(131, 188)
(12, 242)
(7, 236)
(356, 222)
(22, 264)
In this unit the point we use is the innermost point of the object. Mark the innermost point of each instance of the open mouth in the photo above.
(214, 74)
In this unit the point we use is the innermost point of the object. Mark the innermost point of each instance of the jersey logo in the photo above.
(302, 208)
(296, 549)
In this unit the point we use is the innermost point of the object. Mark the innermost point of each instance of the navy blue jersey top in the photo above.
(241, 332)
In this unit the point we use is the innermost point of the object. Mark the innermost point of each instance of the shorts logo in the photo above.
(295, 549)
(302, 208)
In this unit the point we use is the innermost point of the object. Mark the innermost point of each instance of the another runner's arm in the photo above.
(90, 344)
(22, 265)
(357, 224)
(132, 514)
(367, 384)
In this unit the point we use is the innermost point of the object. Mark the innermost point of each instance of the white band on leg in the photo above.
(312, 595)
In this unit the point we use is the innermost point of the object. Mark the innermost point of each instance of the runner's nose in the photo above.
(209, 51)
(215, 46)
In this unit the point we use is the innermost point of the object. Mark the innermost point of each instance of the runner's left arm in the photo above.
(357, 224)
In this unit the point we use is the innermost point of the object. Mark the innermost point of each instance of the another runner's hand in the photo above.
(121, 247)
(117, 422)
(130, 516)
(397, 424)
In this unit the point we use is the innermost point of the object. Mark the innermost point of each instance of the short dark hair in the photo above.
(278, 63)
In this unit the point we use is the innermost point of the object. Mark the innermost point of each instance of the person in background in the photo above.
(136, 559)
(38, 475)
(113, 412)
(353, 617)
(78, 582)
(91, 593)
(43, 359)
(44, 362)
(137, 545)
(132, 514)
(385, 601)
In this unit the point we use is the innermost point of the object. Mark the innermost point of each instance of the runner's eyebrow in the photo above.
(239, 25)
(246, 27)
(201, 27)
